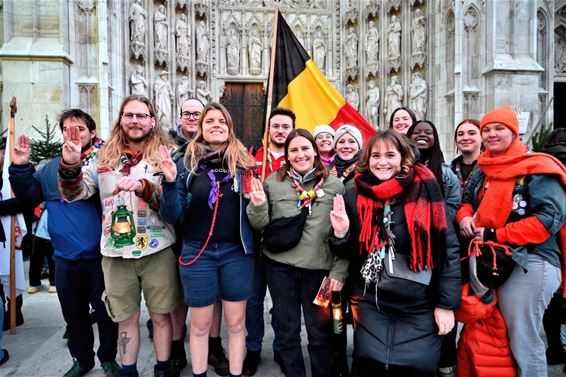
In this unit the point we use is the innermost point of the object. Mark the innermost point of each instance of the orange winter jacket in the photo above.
(483, 348)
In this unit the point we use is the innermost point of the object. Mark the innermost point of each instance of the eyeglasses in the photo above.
(139, 116)
(188, 115)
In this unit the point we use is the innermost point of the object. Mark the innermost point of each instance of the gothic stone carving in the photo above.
(137, 30)
(138, 84)
(163, 99)
(393, 96)
(394, 44)
(160, 35)
(372, 103)
(418, 96)
(183, 34)
(419, 40)
(372, 49)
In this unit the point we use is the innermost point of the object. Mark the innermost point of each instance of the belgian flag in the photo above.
(299, 85)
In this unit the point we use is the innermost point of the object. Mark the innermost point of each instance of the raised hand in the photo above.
(72, 145)
(167, 165)
(339, 218)
(128, 184)
(21, 151)
(468, 227)
(257, 195)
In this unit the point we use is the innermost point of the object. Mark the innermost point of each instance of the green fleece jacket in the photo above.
(312, 252)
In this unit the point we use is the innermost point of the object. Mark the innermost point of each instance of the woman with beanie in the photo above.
(403, 257)
(348, 146)
(468, 143)
(402, 118)
(301, 194)
(424, 136)
(516, 201)
(324, 137)
(205, 191)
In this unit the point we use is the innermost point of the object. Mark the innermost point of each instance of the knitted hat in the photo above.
(348, 129)
(503, 115)
(322, 128)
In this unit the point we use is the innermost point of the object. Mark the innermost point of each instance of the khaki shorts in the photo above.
(155, 275)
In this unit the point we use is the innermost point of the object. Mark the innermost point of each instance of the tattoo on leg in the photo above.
(123, 341)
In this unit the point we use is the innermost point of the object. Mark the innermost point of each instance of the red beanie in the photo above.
(503, 115)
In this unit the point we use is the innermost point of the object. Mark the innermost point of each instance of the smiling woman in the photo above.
(380, 225)
(294, 276)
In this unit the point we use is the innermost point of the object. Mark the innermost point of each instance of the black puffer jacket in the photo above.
(397, 326)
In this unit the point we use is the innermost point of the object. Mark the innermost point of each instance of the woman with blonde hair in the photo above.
(205, 192)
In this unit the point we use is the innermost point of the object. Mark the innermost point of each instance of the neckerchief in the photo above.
(342, 169)
(130, 159)
(424, 210)
(306, 198)
(214, 193)
(89, 153)
(457, 163)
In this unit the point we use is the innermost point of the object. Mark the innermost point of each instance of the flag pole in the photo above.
(269, 91)
(13, 304)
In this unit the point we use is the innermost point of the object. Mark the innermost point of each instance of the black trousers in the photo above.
(371, 368)
(41, 248)
(80, 283)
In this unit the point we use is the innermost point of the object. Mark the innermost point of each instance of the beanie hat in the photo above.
(322, 128)
(503, 115)
(348, 129)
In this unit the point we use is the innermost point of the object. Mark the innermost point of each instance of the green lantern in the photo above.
(123, 228)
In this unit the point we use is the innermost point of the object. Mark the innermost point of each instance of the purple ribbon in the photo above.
(215, 187)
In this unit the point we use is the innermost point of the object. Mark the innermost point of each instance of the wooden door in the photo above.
(246, 104)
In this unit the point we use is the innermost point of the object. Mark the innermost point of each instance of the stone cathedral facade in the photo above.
(446, 59)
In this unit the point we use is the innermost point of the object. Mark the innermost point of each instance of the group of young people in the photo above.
(383, 223)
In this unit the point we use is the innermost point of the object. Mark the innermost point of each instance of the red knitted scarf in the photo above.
(424, 209)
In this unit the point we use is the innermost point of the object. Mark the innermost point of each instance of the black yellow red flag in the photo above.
(299, 85)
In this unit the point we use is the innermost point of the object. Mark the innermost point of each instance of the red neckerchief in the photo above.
(130, 162)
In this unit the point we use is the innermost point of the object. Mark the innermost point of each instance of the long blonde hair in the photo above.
(235, 155)
(118, 141)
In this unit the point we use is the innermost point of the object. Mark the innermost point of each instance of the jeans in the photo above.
(80, 283)
(523, 299)
(41, 249)
(254, 312)
(292, 288)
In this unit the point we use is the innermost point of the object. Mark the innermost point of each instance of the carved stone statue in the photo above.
(203, 42)
(138, 84)
(233, 51)
(418, 96)
(559, 53)
(184, 91)
(352, 96)
(163, 99)
(183, 34)
(351, 48)
(319, 50)
(160, 27)
(372, 48)
(203, 94)
(137, 29)
(298, 31)
(394, 43)
(372, 103)
(254, 51)
(393, 96)
(419, 33)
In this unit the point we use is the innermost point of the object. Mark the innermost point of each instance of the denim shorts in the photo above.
(222, 267)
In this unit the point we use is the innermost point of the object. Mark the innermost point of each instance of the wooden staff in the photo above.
(269, 91)
(13, 304)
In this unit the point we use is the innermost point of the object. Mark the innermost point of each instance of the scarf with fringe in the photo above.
(424, 209)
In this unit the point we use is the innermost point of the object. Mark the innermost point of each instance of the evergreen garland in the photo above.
(48, 146)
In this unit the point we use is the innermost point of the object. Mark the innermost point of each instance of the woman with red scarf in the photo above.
(403, 260)
(518, 199)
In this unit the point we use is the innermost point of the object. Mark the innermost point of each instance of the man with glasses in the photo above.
(281, 122)
(135, 242)
(185, 131)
